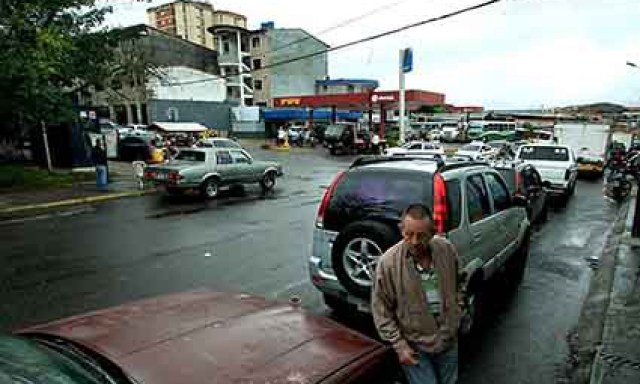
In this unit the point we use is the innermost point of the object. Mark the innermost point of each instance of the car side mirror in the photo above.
(520, 201)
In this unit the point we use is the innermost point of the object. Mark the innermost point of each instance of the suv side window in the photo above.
(499, 192)
(454, 204)
(240, 158)
(478, 206)
(223, 157)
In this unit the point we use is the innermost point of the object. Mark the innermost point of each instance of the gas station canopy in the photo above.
(362, 101)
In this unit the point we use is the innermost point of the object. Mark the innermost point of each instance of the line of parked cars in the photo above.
(486, 209)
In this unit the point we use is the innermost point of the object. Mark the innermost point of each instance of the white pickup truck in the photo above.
(556, 164)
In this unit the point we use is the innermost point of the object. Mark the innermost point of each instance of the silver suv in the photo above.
(360, 211)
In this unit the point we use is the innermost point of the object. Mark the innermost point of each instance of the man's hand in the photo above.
(408, 356)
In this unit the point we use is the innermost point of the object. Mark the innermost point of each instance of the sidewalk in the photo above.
(605, 347)
(29, 202)
(618, 357)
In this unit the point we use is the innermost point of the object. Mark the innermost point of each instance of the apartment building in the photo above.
(187, 19)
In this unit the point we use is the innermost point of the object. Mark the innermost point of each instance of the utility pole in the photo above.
(45, 141)
(406, 65)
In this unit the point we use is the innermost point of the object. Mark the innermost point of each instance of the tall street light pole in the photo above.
(635, 229)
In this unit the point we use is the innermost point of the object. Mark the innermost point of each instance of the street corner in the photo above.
(10, 212)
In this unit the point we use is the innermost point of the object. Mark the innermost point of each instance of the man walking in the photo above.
(414, 300)
(99, 157)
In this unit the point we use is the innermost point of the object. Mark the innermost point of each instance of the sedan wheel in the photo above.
(210, 189)
(268, 181)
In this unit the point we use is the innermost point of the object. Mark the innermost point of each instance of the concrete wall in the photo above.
(211, 114)
(167, 51)
(339, 89)
(297, 78)
(229, 18)
(214, 89)
(261, 96)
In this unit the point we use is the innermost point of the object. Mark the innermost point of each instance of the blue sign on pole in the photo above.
(407, 60)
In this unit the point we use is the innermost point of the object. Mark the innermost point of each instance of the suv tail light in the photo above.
(567, 174)
(440, 209)
(519, 190)
(174, 176)
(326, 198)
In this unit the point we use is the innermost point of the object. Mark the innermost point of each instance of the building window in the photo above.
(257, 85)
(257, 63)
(225, 47)
(255, 42)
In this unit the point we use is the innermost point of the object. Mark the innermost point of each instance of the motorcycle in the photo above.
(617, 187)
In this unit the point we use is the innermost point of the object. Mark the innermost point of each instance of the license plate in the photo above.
(161, 176)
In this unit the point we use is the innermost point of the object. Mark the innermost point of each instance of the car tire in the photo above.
(268, 181)
(517, 265)
(472, 306)
(356, 252)
(332, 151)
(210, 188)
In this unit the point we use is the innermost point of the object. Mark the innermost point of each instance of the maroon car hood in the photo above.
(208, 337)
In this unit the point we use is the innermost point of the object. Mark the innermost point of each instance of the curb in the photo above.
(76, 201)
(586, 339)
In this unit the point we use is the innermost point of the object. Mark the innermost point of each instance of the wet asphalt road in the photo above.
(93, 257)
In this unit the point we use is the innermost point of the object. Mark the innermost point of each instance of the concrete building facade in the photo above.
(248, 61)
(235, 62)
(187, 19)
(179, 82)
(270, 46)
(342, 86)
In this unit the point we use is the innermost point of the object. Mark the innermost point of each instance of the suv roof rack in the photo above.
(366, 160)
(463, 164)
(439, 160)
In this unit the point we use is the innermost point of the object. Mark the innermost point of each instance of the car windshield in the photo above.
(470, 148)
(409, 145)
(196, 156)
(24, 360)
(334, 130)
(226, 144)
(549, 153)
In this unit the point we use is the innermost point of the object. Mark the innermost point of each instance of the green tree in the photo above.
(51, 49)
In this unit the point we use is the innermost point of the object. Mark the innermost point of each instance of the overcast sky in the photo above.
(516, 54)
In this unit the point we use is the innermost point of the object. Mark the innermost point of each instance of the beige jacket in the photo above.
(399, 305)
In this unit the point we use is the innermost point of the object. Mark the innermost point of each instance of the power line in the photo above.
(341, 24)
(352, 43)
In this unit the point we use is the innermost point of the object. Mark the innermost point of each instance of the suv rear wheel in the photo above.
(356, 252)
(517, 264)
